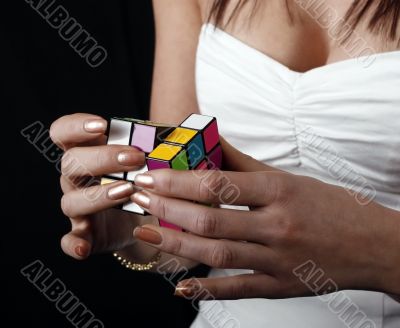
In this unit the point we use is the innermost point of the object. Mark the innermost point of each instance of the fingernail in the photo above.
(141, 199)
(95, 126)
(130, 158)
(187, 288)
(144, 180)
(148, 235)
(121, 191)
(80, 251)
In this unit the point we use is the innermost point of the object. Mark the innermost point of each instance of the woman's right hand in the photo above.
(96, 227)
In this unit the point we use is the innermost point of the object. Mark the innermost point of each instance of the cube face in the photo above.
(208, 127)
(144, 135)
(192, 145)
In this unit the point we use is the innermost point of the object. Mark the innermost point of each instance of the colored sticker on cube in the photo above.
(194, 145)
(208, 127)
(191, 141)
(119, 134)
(168, 156)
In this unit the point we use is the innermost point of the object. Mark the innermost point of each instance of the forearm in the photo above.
(178, 25)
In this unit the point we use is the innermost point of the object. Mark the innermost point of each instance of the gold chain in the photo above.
(138, 266)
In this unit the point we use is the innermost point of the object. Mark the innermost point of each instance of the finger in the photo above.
(231, 288)
(75, 129)
(77, 244)
(213, 252)
(94, 199)
(100, 160)
(102, 140)
(217, 187)
(68, 183)
(203, 220)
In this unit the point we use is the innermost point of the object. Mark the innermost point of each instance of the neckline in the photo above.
(325, 67)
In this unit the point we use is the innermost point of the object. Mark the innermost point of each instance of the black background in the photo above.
(46, 79)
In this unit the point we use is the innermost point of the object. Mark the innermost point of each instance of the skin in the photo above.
(288, 224)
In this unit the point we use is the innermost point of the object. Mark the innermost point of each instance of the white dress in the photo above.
(339, 123)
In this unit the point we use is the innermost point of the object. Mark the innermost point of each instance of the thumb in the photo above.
(235, 160)
(77, 243)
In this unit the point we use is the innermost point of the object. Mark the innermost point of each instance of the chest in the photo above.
(301, 35)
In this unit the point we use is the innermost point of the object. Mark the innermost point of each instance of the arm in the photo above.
(178, 24)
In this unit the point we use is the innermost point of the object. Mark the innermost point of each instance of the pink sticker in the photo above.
(211, 136)
(215, 158)
(202, 165)
(143, 137)
(155, 165)
(166, 224)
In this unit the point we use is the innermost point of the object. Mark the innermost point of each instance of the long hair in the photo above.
(384, 15)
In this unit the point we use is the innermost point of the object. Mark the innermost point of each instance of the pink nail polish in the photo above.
(131, 158)
(141, 199)
(121, 191)
(144, 180)
(95, 126)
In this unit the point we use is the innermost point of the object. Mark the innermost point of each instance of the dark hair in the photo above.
(384, 19)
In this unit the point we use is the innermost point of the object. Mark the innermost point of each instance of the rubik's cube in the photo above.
(193, 145)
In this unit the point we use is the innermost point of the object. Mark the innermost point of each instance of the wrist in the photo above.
(138, 251)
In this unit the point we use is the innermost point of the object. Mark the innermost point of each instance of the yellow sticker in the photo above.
(165, 152)
(181, 136)
(105, 181)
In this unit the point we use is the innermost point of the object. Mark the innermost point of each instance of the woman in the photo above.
(318, 114)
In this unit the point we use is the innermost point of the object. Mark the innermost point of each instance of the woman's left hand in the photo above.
(301, 236)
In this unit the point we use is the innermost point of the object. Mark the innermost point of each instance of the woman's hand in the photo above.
(298, 228)
(95, 226)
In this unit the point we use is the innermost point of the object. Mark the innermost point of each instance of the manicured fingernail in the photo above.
(121, 191)
(80, 251)
(187, 288)
(144, 180)
(95, 126)
(148, 235)
(130, 158)
(141, 199)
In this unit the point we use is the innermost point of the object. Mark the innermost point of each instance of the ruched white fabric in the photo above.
(339, 123)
